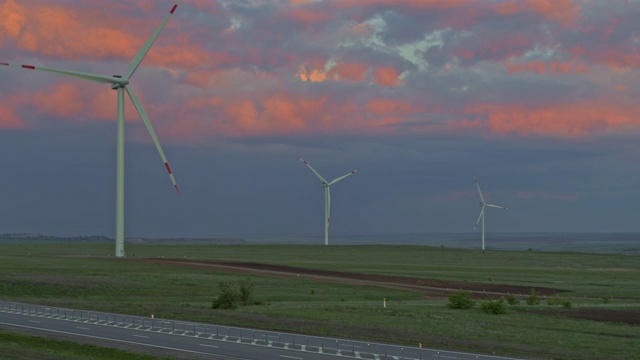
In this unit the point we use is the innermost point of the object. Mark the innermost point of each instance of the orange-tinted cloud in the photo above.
(563, 11)
(64, 32)
(307, 16)
(349, 71)
(615, 56)
(307, 73)
(61, 32)
(386, 76)
(565, 120)
(382, 107)
(546, 67)
(8, 118)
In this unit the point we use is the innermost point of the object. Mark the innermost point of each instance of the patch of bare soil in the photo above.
(631, 317)
(433, 288)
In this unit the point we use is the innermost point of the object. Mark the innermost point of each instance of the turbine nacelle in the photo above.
(119, 82)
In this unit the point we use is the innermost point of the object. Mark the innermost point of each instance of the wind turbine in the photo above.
(327, 197)
(121, 84)
(483, 205)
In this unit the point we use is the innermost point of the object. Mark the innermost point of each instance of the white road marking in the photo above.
(82, 328)
(291, 357)
(141, 336)
(211, 346)
(35, 321)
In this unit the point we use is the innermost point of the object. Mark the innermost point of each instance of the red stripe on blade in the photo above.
(168, 168)
(5, 64)
(31, 67)
(177, 190)
(174, 9)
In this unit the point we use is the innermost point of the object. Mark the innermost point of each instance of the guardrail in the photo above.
(295, 342)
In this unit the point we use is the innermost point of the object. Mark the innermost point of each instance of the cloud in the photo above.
(577, 119)
(8, 119)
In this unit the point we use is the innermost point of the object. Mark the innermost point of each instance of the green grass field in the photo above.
(83, 276)
(25, 347)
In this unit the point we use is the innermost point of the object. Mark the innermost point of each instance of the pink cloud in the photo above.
(386, 76)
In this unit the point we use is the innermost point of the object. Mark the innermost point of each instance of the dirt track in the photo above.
(430, 288)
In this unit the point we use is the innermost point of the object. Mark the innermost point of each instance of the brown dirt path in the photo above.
(432, 287)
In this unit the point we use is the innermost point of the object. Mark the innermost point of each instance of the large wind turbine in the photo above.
(327, 197)
(121, 84)
(483, 205)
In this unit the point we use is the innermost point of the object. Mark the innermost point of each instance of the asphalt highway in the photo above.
(206, 341)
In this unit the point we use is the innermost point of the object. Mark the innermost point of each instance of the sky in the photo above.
(535, 98)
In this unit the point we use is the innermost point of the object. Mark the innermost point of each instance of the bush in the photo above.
(227, 298)
(231, 295)
(245, 291)
(565, 303)
(533, 299)
(512, 300)
(494, 307)
(460, 300)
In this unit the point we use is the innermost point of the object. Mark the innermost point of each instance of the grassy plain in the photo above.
(84, 276)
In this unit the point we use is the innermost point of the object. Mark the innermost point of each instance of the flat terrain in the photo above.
(339, 291)
(431, 288)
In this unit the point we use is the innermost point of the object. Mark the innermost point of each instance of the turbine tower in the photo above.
(327, 197)
(483, 205)
(120, 83)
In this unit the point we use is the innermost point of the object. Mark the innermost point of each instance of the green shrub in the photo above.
(512, 300)
(230, 295)
(494, 307)
(227, 298)
(565, 303)
(460, 300)
(245, 291)
(533, 299)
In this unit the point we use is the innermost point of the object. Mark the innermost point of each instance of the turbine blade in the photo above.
(496, 206)
(76, 74)
(342, 177)
(479, 192)
(479, 217)
(314, 171)
(147, 123)
(147, 45)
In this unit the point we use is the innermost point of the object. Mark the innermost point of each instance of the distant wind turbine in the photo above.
(327, 197)
(121, 84)
(483, 205)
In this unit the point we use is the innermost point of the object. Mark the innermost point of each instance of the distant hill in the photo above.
(37, 238)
